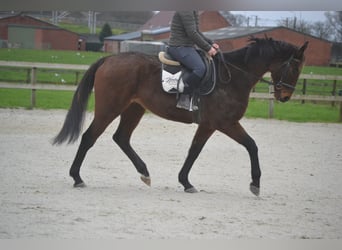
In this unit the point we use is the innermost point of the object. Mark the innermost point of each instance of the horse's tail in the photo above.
(75, 117)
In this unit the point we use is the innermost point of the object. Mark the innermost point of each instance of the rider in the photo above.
(184, 38)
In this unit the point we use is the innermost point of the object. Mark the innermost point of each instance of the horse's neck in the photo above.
(239, 58)
(258, 69)
(249, 73)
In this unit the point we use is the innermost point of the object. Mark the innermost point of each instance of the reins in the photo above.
(220, 54)
(277, 85)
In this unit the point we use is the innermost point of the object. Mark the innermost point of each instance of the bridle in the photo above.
(278, 85)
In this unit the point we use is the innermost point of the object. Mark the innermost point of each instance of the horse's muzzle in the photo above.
(284, 99)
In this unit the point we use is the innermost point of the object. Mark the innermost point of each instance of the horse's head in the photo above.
(285, 73)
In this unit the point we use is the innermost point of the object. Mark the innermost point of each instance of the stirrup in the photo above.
(186, 102)
(193, 106)
(183, 101)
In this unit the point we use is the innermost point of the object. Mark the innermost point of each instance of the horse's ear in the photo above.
(269, 39)
(302, 49)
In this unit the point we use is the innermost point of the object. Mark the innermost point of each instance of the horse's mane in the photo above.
(266, 48)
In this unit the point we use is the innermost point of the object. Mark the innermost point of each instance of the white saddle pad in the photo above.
(170, 82)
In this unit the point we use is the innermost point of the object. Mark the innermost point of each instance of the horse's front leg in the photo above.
(237, 132)
(199, 140)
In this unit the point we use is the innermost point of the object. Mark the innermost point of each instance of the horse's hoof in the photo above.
(146, 180)
(79, 185)
(191, 190)
(254, 189)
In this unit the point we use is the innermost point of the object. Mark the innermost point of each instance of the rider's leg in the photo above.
(189, 57)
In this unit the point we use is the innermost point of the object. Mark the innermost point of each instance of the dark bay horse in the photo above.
(127, 84)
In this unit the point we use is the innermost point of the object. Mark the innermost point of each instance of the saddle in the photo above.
(172, 72)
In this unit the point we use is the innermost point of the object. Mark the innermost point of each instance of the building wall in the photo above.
(161, 36)
(112, 46)
(146, 47)
(28, 32)
(19, 37)
(318, 52)
(56, 39)
(21, 20)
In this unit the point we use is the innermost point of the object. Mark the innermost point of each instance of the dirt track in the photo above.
(301, 195)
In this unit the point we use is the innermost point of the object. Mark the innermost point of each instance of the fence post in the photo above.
(271, 102)
(334, 92)
(77, 76)
(340, 111)
(304, 89)
(33, 90)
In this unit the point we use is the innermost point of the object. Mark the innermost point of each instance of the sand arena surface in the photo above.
(301, 195)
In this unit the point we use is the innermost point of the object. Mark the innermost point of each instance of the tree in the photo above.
(322, 30)
(234, 20)
(335, 20)
(106, 31)
(301, 25)
(318, 29)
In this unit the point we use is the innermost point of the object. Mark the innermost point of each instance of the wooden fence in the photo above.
(33, 86)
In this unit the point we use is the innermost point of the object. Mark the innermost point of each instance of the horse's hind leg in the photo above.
(128, 122)
(199, 140)
(89, 137)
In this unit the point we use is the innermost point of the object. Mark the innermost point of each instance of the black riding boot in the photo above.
(187, 98)
(191, 82)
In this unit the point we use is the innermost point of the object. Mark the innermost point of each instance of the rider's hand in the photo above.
(212, 51)
(216, 46)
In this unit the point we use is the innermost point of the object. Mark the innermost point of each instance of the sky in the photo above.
(271, 18)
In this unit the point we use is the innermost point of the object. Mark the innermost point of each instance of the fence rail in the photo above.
(37, 65)
(33, 86)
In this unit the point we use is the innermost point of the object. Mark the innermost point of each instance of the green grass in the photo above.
(10, 98)
(313, 87)
(82, 29)
(294, 111)
(291, 111)
(315, 70)
(43, 76)
(50, 56)
(45, 99)
(13, 74)
(298, 112)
